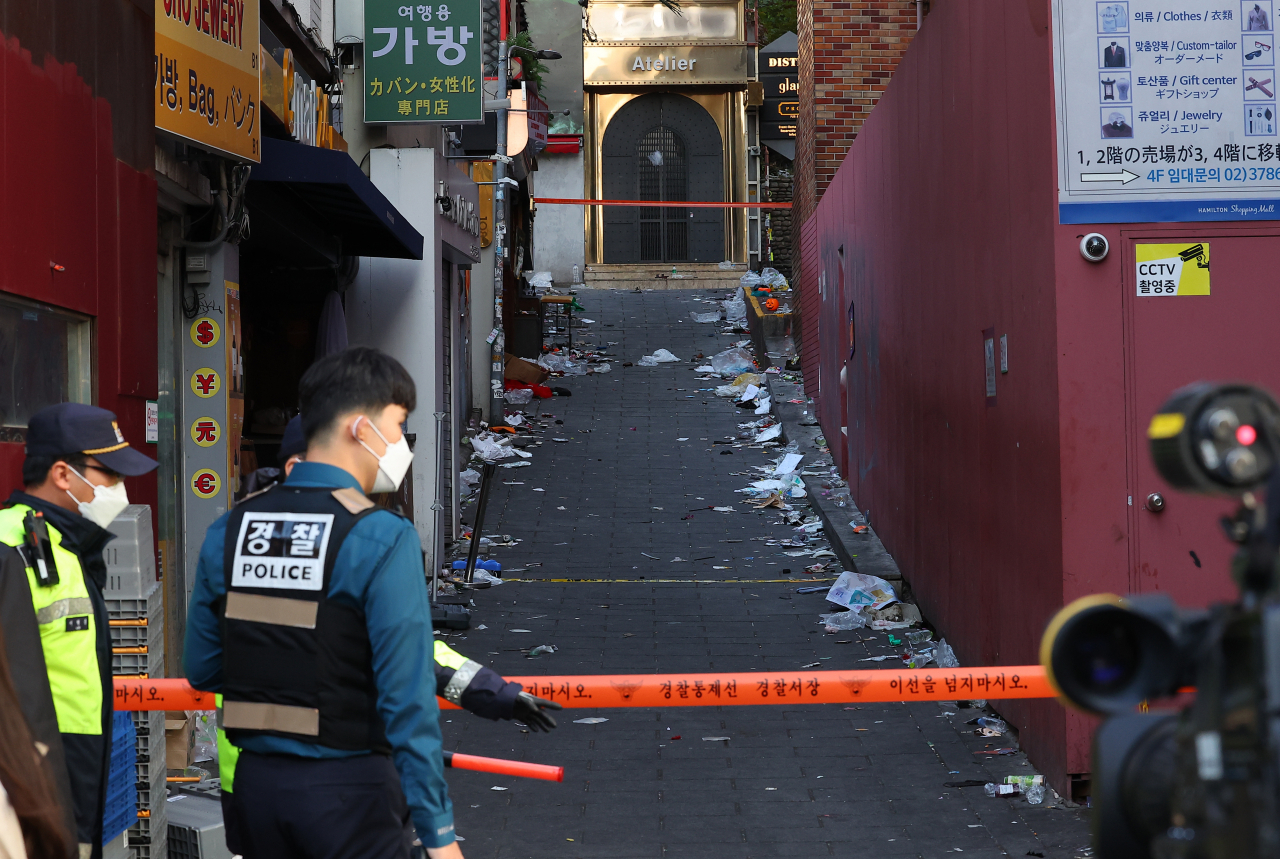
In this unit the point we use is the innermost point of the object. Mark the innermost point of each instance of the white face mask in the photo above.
(393, 463)
(108, 502)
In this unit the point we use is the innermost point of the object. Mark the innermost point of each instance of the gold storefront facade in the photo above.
(665, 99)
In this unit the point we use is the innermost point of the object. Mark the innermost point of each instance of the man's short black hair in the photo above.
(35, 469)
(355, 379)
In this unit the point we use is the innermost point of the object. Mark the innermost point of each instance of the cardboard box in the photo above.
(179, 736)
(523, 370)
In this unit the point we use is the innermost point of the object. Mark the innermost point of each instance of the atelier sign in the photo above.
(664, 64)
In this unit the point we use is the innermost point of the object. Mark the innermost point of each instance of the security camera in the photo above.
(1094, 247)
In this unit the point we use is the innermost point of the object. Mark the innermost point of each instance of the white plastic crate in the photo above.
(150, 635)
(149, 727)
(131, 556)
(133, 664)
(152, 791)
(128, 608)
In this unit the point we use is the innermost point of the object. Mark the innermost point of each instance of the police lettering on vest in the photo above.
(282, 550)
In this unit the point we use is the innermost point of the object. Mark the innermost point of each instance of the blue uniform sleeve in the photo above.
(202, 656)
(398, 617)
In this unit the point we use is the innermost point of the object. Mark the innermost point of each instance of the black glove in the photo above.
(530, 711)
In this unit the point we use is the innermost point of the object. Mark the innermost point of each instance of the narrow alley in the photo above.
(619, 564)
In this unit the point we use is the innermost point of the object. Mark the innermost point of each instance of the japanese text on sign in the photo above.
(1166, 111)
(207, 81)
(423, 62)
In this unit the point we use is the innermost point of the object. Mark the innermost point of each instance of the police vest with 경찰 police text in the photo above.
(296, 664)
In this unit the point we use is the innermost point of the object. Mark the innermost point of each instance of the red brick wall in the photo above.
(848, 51)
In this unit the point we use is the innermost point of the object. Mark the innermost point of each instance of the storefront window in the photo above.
(45, 354)
(626, 22)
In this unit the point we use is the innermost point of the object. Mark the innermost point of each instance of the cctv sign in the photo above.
(1167, 270)
(1166, 112)
(423, 62)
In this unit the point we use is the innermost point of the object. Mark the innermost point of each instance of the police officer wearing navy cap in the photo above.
(73, 474)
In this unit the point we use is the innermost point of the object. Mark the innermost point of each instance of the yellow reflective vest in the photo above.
(68, 632)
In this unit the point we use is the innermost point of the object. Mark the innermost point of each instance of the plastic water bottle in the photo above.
(993, 790)
(993, 723)
(918, 636)
(1035, 794)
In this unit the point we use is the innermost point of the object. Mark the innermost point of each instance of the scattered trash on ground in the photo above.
(541, 650)
(733, 362)
(662, 356)
(590, 720)
(855, 590)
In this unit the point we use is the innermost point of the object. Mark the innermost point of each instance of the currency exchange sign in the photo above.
(1167, 110)
(423, 62)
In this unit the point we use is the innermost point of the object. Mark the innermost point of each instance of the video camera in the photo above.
(1202, 782)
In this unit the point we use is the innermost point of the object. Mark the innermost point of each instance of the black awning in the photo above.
(341, 199)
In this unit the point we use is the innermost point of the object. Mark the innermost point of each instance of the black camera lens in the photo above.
(1103, 655)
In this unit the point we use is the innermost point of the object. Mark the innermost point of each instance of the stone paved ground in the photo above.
(824, 780)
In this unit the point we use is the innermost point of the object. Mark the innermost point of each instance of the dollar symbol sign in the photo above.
(205, 332)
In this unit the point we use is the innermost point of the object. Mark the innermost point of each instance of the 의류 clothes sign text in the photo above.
(1166, 110)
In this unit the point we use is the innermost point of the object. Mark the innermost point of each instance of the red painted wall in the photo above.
(76, 189)
(999, 514)
(946, 210)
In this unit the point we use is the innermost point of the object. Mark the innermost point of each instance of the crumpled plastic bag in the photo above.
(733, 362)
(488, 449)
(470, 479)
(859, 589)
(749, 280)
(563, 364)
(843, 621)
(662, 356)
(946, 657)
(519, 396)
(727, 265)
(538, 278)
(713, 316)
(205, 747)
(772, 277)
(739, 385)
(735, 309)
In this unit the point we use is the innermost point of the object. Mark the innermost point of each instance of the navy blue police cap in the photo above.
(292, 443)
(70, 428)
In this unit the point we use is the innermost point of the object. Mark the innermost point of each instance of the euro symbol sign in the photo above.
(204, 332)
(205, 483)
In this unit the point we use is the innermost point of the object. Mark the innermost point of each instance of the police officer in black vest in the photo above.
(310, 614)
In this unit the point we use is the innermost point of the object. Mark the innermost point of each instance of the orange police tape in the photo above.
(696, 690)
